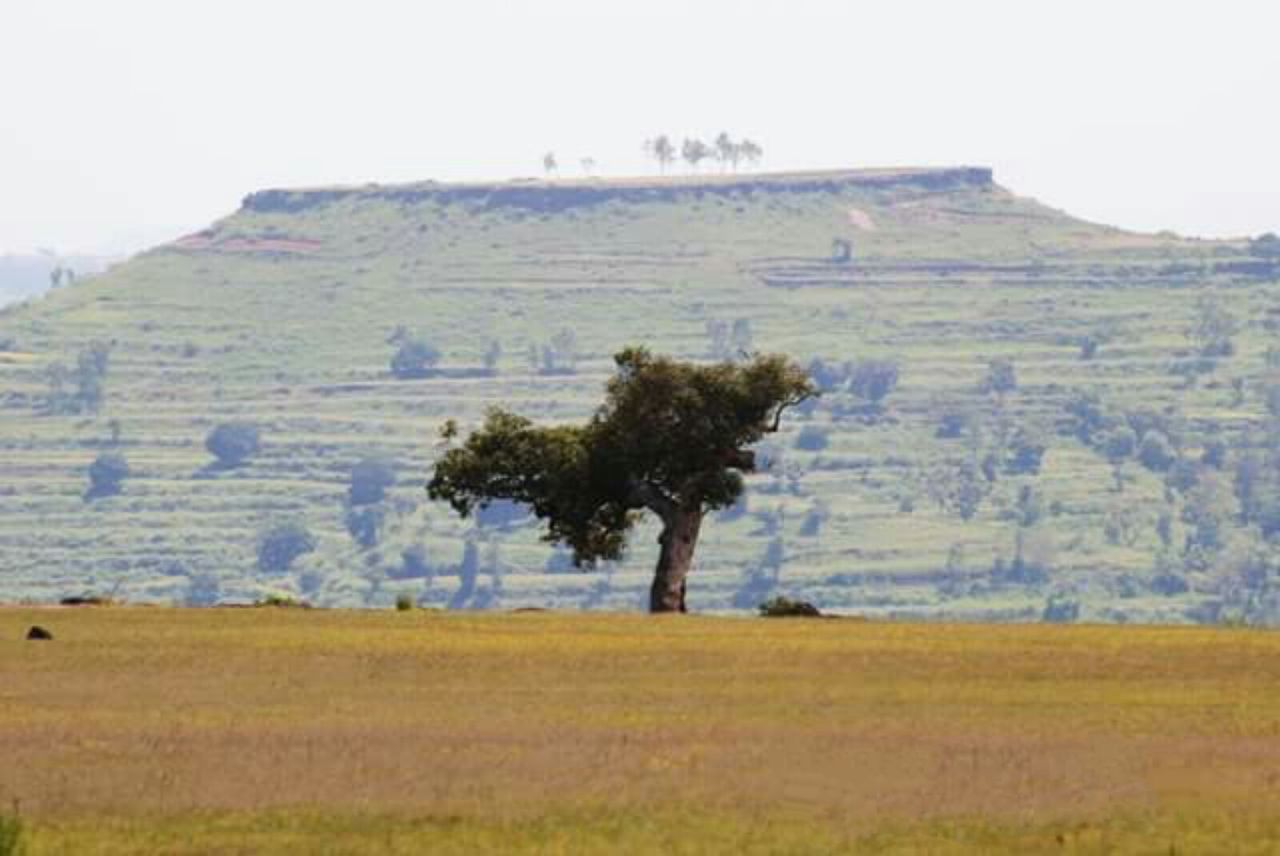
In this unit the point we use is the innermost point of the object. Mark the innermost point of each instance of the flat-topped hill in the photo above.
(287, 315)
(562, 194)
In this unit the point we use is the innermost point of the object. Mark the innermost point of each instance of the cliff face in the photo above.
(551, 197)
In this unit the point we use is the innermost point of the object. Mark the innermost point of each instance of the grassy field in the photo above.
(276, 730)
(280, 315)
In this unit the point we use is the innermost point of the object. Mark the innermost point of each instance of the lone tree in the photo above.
(280, 545)
(671, 438)
(415, 358)
(106, 475)
(232, 443)
(370, 478)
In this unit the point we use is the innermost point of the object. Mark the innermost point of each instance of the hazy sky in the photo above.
(127, 122)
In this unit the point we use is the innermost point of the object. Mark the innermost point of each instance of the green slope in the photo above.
(280, 315)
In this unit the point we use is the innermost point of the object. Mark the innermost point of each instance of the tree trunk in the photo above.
(678, 540)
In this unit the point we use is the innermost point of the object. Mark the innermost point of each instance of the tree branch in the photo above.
(794, 400)
(645, 495)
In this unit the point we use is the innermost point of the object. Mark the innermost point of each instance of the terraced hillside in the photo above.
(934, 501)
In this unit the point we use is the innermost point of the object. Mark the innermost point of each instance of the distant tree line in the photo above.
(724, 150)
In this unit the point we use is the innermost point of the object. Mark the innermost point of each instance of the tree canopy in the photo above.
(671, 438)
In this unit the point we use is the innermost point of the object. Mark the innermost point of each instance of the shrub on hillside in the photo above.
(232, 443)
(370, 479)
(812, 438)
(280, 545)
(1001, 377)
(364, 524)
(414, 358)
(784, 607)
(281, 601)
(1026, 451)
(814, 519)
(202, 590)
(79, 390)
(829, 377)
(413, 564)
(491, 357)
(106, 475)
(873, 380)
(1060, 609)
(559, 356)
(1120, 444)
(1169, 584)
(1213, 328)
(954, 422)
(1155, 452)
(1266, 246)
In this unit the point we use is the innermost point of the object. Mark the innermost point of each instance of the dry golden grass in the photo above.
(142, 730)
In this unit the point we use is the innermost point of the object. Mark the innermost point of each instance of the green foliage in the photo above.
(232, 443)
(281, 601)
(404, 602)
(11, 835)
(492, 355)
(669, 434)
(1156, 453)
(1089, 347)
(960, 490)
(364, 524)
(873, 380)
(414, 358)
(1001, 377)
(784, 607)
(694, 152)
(841, 251)
(1060, 609)
(370, 478)
(1026, 451)
(953, 422)
(1213, 328)
(557, 357)
(1266, 246)
(1207, 511)
(1120, 444)
(203, 590)
(281, 544)
(79, 390)
(106, 475)
(812, 438)
(413, 563)
(662, 150)
(829, 376)
(296, 341)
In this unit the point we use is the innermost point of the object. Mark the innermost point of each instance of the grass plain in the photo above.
(277, 730)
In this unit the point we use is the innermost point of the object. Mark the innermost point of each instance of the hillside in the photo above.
(285, 314)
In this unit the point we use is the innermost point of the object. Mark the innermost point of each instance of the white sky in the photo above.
(127, 122)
